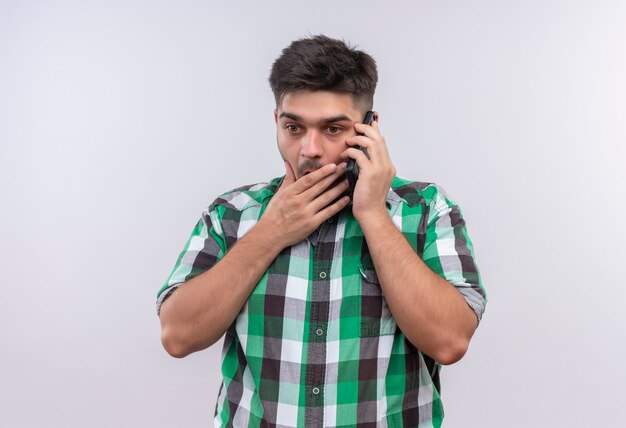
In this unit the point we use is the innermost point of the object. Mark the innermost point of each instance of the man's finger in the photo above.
(356, 154)
(290, 177)
(309, 180)
(332, 209)
(359, 140)
(319, 187)
(329, 195)
(372, 131)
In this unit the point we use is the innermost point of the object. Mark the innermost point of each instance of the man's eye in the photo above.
(292, 128)
(334, 130)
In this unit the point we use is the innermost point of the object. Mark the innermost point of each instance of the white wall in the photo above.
(121, 120)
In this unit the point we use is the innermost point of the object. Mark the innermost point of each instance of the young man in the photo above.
(337, 311)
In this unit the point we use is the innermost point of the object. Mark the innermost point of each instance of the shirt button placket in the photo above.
(317, 334)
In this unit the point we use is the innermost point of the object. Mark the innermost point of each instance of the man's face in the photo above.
(312, 127)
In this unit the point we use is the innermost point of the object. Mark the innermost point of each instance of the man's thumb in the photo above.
(290, 177)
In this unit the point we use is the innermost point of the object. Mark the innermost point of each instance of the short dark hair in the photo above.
(319, 63)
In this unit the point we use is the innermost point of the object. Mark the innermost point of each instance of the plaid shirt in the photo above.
(316, 344)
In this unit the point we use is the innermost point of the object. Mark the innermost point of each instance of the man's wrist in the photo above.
(264, 229)
(373, 217)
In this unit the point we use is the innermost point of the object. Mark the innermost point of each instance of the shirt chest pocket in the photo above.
(376, 318)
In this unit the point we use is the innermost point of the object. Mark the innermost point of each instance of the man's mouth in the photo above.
(308, 166)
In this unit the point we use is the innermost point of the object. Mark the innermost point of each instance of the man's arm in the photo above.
(201, 310)
(431, 313)
(429, 310)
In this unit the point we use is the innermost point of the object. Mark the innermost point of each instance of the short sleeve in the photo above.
(204, 248)
(449, 252)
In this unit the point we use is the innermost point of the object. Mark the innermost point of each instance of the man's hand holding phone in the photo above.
(300, 206)
(376, 171)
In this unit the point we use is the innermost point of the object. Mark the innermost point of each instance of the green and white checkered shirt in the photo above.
(315, 344)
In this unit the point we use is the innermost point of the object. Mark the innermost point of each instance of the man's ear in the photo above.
(275, 117)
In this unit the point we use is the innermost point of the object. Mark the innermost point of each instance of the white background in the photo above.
(121, 120)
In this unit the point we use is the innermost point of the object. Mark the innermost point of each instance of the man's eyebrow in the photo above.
(290, 116)
(338, 118)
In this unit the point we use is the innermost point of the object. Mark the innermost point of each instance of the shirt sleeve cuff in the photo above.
(474, 299)
(164, 295)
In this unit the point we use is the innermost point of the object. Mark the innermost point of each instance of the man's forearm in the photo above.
(202, 309)
(433, 315)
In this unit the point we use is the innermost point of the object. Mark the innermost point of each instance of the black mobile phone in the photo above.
(352, 172)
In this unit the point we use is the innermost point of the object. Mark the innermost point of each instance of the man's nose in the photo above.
(312, 145)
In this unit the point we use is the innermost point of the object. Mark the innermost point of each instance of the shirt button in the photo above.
(322, 274)
(315, 390)
(330, 220)
(319, 332)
